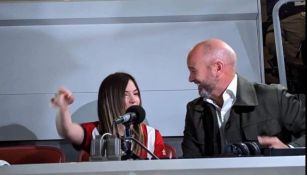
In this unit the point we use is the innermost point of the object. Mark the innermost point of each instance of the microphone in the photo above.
(134, 114)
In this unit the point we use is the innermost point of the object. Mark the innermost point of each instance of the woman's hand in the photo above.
(63, 98)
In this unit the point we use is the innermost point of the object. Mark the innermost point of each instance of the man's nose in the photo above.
(191, 78)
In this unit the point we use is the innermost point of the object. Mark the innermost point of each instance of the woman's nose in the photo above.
(131, 99)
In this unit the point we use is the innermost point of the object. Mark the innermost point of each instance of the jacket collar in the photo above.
(246, 93)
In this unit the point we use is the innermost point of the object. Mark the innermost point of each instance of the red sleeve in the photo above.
(159, 145)
(88, 129)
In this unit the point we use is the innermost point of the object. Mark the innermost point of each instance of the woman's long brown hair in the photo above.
(111, 105)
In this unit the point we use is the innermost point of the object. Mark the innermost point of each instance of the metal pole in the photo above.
(278, 41)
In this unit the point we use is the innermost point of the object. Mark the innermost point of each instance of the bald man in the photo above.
(232, 110)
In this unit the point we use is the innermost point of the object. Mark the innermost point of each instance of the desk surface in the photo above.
(285, 165)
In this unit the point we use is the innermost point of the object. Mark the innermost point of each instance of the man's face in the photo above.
(201, 73)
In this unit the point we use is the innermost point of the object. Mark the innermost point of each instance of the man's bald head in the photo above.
(212, 66)
(214, 49)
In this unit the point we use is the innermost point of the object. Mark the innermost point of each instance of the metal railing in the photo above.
(278, 41)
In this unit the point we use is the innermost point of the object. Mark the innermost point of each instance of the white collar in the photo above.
(230, 92)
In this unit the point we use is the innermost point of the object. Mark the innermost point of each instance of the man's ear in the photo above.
(219, 66)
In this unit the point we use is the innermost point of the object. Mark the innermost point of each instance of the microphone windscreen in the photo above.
(139, 112)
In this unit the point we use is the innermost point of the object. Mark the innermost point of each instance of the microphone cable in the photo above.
(138, 142)
(144, 147)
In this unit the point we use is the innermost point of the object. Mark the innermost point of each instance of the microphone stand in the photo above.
(127, 144)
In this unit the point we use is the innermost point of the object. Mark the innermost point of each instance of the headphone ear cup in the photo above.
(232, 150)
(253, 148)
(228, 149)
(243, 149)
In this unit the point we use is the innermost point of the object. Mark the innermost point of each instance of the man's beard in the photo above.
(203, 93)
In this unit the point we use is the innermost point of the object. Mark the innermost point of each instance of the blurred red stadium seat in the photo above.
(32, 154)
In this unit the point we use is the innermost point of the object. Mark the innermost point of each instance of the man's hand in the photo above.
(271, 142)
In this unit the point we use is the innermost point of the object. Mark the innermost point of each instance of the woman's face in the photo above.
(132, 96)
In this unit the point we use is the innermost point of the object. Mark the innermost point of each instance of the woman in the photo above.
(117, 93)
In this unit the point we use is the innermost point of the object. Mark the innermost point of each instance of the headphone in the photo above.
(242, 149)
